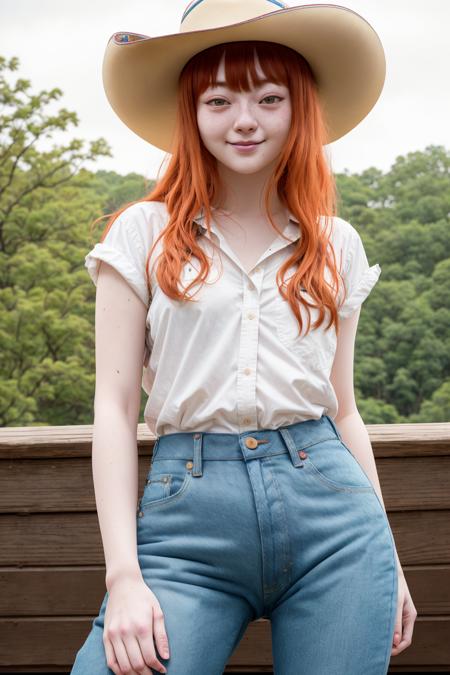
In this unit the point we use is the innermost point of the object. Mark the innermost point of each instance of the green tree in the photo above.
(403, 346)
(43, 222)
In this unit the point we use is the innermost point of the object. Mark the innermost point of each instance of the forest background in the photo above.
(48, 202)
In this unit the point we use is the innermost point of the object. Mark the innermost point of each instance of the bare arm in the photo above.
(119, 347)
(348, 420)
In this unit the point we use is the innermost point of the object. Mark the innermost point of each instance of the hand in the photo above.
(406, 616)
(132, 615)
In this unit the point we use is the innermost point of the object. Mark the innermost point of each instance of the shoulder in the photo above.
(344, 238)
(341, 232)
(145, 213)
(143, 221)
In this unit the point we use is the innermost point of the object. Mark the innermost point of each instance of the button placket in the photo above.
(248, 349)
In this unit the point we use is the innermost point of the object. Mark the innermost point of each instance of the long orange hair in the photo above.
(302, 179)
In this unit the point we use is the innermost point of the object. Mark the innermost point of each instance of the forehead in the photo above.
(220, 77)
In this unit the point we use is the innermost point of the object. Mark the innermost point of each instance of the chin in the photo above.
(250, 168)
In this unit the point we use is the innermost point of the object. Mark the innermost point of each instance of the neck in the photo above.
(244, 195)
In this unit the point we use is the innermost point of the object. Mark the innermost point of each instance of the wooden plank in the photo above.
(58, 591)
(52, 485)
(388, 440)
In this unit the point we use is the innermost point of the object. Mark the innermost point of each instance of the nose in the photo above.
(245, 119)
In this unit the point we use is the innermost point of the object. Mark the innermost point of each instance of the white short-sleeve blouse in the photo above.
(232, 361)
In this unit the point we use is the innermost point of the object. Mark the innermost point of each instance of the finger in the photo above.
(148, 653)
(159, 630)
(121, 655)
(408, 626)
(135, 656)
(147, 648)
(398, 622)
(406, 638)
(111, 660)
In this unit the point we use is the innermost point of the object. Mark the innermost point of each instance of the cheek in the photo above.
(211, 130)
(284, 121)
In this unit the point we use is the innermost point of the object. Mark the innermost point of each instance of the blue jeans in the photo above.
(282, 524)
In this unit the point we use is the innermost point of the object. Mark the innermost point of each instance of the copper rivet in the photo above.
(302, 454)
(196, 436)
(141, 514)
(189, 465)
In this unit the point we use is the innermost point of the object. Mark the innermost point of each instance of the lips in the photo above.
(247, 143)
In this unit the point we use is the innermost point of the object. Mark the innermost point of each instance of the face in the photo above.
(226, 118)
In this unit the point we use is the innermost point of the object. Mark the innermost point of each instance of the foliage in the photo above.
(46, 204)
(402, 359)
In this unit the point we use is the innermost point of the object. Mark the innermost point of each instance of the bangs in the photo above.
(240, 66)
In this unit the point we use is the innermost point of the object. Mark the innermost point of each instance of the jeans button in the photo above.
(251, 442)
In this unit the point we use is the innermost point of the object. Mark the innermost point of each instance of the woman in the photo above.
(241, 288)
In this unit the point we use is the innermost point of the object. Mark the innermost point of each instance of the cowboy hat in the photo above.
(140, 73)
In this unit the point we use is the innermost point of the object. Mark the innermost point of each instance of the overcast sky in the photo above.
(60, 43)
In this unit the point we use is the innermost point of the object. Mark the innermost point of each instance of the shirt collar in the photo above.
(292, 229)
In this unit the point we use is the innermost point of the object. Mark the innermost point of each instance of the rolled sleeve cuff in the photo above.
(361, 291)
(102, 252)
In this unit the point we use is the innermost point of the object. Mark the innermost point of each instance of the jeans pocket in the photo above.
(335, 466)
(167, 481)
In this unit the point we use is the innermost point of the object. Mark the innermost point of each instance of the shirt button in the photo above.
(247, 371)
(258, 269)
(250, 315)
(246, 420)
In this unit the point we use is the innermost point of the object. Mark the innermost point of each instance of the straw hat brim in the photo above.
(140, 77)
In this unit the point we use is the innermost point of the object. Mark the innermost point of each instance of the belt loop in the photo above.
(333, 424)
(155, 448)
(197, 468)
(293, 451)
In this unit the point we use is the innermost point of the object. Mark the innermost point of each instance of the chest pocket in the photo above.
(316, 349)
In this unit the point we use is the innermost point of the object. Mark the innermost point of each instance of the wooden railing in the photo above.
(52, 574)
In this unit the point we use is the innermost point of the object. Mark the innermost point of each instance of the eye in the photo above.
(272, 96)
(215, 99)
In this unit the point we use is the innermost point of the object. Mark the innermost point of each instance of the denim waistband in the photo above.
(206, 445)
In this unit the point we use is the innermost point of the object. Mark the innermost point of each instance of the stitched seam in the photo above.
(171, 498)
(287, 551)
(336, 486)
